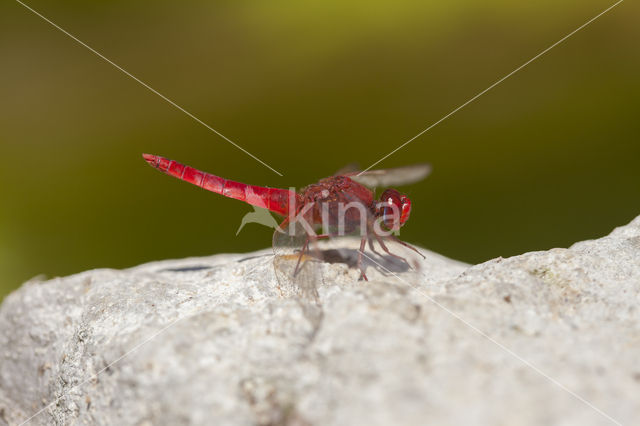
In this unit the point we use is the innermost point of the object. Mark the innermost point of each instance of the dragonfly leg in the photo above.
(386, 249)
(371, 246)
(363, 276)
(305, 247)
(399, 241)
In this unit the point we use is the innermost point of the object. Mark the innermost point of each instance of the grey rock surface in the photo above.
(550, 337)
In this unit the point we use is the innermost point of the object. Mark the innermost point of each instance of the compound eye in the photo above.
(394, 208)
(405, 209)
(391, 205)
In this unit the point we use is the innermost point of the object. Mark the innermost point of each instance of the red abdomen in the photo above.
(274, 199)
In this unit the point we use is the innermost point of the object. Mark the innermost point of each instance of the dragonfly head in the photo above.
(394, 209)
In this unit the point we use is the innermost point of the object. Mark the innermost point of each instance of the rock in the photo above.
(548, 337)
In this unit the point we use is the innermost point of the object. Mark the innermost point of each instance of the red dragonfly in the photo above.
(342, 204)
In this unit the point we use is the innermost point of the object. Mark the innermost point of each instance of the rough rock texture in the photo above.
(216, 341)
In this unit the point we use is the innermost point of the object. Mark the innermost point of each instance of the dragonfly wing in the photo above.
(348, 169)
(391, 177)
(295, 263)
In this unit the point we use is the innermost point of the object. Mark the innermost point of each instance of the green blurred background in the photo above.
(547, 158)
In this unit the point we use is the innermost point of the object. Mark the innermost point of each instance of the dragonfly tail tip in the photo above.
(151, 159)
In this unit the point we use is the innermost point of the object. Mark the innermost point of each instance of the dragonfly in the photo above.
(340, 205)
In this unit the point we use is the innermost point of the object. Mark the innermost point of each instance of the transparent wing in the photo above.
(391, 177)
(295, 263)
(348, 169)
